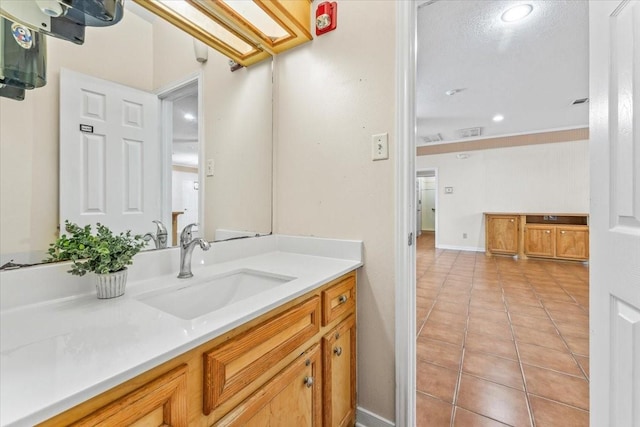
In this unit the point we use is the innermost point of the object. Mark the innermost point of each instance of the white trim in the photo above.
(165, 94)
(366, 418)
(460, 248)
(405, 214)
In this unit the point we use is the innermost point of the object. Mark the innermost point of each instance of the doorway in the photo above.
(181, 105)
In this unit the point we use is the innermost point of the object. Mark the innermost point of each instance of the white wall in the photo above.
(184, 197)
(331, 95)
(535, 178)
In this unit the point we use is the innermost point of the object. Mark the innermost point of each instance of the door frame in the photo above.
(405, 217)
(167, 94)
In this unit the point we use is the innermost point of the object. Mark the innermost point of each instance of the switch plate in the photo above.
(448, 190)
(380, 146)
(210, 167)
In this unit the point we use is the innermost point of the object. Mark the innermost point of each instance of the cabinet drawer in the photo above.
(163, 401)
(234, 365)
(339, 299)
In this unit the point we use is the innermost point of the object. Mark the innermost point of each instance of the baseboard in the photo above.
(460, 248)
(366, 418)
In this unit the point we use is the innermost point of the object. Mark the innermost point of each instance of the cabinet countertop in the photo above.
(59, 353)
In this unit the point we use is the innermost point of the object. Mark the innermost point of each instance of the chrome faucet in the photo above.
(187, 243)
(160, 238)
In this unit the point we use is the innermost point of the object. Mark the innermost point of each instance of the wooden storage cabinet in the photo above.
(282, 368)
(502, 234)
(556, 236)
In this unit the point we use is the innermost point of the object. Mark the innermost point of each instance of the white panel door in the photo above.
(615, 212)
(110, 154)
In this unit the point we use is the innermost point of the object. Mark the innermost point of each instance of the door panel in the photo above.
(110, 154)
(540, 240)
(614, 29)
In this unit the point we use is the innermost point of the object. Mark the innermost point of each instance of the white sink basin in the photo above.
(197, 297)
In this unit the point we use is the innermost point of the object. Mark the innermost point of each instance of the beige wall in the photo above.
(29, 129)
(238, 134)
(535, 178)
(331, 96)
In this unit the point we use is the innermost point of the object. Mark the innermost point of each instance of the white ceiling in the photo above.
(530, 71)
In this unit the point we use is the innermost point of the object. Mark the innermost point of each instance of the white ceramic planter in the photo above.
(111, 285)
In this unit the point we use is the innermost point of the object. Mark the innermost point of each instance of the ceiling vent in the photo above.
(580, 101)
(429, 139)
(469, 132)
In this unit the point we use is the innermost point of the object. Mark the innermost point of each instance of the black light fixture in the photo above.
(23, 62)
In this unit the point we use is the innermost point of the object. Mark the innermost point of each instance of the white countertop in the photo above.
(59, 351)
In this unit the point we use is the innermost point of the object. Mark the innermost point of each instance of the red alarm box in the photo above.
(326, 17)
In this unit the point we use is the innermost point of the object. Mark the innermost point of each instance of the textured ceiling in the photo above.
(530, 71)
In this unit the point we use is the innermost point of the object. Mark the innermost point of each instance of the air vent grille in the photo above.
(580, 101)
(469, 132)
(429, 139)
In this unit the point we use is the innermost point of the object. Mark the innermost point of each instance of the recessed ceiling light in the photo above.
(190, 117)
(517, 12)
(498, 118)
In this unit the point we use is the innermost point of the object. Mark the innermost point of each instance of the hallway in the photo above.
(500, 341)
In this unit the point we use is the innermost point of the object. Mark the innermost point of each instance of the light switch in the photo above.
(210, 165)
(448, 190)
(380, 146)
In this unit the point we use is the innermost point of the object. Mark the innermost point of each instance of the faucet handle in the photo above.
(185, 236)
(161, 234)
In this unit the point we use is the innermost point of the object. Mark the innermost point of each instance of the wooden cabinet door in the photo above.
(502, 233)
(572, 242)
(339, 374)
(292, 398)
(539, 240)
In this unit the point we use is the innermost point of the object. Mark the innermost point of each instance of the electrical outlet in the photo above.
(464, 235)
(210, 167)
(448, 190)
(380, 146)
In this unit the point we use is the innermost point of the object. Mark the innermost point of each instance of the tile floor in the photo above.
(500, 341)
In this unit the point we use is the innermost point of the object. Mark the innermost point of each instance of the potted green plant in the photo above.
(106, 254)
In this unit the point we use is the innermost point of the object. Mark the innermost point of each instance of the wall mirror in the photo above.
(209, 116)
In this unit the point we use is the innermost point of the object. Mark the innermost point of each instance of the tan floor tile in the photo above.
(491, 345)
(517, 301)
(540, 323)
(436, 381)
(464, 418)
(584, 364)
(443, 332)
(432, 412)
(492, 368)
(555, 386)
(495, 401)
(449, 318)
(452, 307)
(574, 329)
(498, 330)
(478, 313)
(561, 361)
(488, 305)
(553, 414)
(534, 336)
(578, 345)
(439, 353)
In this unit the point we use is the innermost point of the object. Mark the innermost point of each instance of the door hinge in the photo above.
(410, 242)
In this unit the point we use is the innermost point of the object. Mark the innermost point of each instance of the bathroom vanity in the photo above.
(283, 351)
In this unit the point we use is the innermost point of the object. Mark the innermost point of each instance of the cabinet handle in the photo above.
(511, 220)
(337, 351)
(562, 232)
(342, 299)
(308, 381)
(548, 231)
